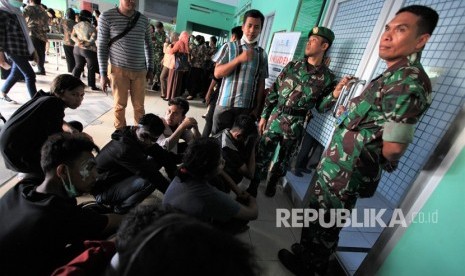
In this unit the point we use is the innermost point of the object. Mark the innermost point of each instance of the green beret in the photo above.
(323, 32)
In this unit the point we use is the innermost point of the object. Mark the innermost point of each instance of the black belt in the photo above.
(294, 112)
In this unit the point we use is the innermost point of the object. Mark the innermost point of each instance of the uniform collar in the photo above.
(410, 60)
(310, 67)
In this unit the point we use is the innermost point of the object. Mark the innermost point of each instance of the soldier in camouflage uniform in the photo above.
(371, 136)
(159, 39)
(302, 85)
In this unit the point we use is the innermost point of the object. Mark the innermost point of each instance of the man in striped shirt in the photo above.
(131, 58)
(243, 65)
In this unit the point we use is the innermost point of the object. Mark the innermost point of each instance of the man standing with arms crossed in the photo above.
(124, 37)
(243, 65)
(371, 136)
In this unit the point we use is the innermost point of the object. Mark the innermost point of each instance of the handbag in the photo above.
(181, 62)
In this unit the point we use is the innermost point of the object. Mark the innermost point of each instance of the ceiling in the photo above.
(166, 10)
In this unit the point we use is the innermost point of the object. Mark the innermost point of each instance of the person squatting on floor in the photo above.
(27, 129)
(43, 227)
(129, 165)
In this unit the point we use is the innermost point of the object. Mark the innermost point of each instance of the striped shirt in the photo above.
(134, 51)
(12, 37)
(240, 87)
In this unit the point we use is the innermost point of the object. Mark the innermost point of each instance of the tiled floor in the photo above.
(95, 112)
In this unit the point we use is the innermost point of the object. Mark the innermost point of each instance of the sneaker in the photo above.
(8, 99)
(293, 263)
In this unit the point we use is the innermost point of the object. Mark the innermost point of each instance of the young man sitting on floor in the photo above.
(178, 126)
(238, 149)
(129, 165)
(42, 225)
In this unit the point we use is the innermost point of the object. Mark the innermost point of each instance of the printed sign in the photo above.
(281, 52)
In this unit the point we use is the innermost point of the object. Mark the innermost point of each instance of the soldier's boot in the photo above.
(271, 186)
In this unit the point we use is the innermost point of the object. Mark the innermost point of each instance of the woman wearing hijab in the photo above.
(175, 77)
(16, 43)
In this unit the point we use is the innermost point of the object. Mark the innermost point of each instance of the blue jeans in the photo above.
(126, 194)
(20, 67)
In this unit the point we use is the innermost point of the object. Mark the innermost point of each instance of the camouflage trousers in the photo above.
(273, 155)
(320, 242)
(158, 66)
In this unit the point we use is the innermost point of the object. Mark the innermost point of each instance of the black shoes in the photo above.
(95, 88)
(40, 73)
(271, 186)
(155, 86)
(293, 263)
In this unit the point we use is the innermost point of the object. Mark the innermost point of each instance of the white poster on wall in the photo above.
(281, 52)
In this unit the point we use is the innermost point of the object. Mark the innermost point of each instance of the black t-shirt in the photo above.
(27, 129)
(36, 229)
(233, 155)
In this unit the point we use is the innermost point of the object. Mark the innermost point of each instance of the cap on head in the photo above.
(323, 32)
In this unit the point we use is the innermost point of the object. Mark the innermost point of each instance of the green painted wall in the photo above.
(220, 17)
(55, 4)
(284, 13)
(435, 249)
(305, 21)
(62, 4)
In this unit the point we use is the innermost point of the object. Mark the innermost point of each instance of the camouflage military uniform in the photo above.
(158, 41)
(300, 87)
(351, 166)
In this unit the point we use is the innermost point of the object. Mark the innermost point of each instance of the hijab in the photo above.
(184, 42)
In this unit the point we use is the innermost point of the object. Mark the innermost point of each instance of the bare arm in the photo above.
(187, 123)
(211, 88)
(249, 169)
(231, 184)
(249, 211)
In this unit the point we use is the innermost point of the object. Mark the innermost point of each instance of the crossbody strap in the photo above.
(132, 23)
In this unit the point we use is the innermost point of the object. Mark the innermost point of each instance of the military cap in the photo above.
(323, 32)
